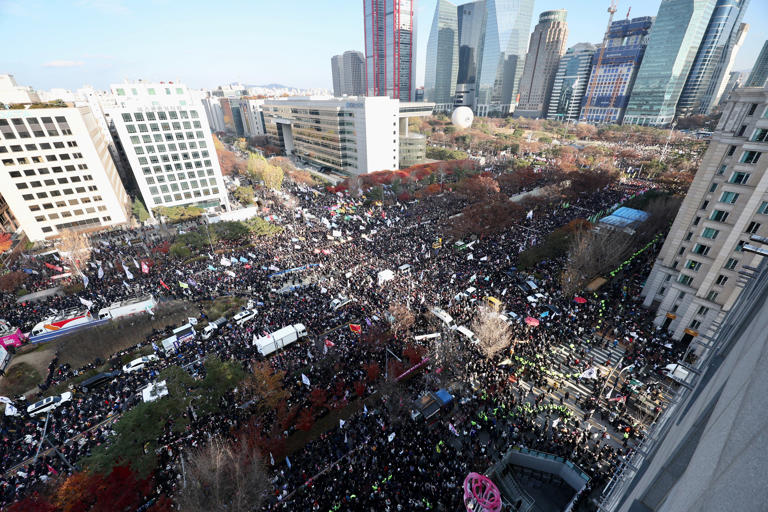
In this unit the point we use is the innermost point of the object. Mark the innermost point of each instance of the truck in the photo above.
(10, 336)
(212, 327)
(180, 335)
(279, 339)
(129, 307)
(430, 404)
(62, 321)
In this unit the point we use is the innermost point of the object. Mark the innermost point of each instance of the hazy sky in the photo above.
(69, 43)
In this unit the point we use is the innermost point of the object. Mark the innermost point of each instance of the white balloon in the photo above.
(462, 117)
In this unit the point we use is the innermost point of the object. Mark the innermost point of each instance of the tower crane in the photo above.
(590, 94)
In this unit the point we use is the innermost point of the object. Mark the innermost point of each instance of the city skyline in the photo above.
(206, 48)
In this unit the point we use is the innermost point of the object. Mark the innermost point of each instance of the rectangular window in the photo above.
(722, 169)
(684, 279)
(741, 130)
(763, 208)
(694, 324)
(712, 296)
(718, 216)
(703, 310)
(713, 187)
(731, 263)
(721, 280)
(752, 109)
(740, 246)
(753, 227)
(710, 233)
(729, 197)
(760, 135)
(700, 249)
(704, 205)
(696, 221)
(739, 178)
(750, 157)
(693, 265)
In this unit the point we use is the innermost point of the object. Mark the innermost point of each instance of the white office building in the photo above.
(57, 172)
(164, 132)
(11, 92)
(351, 135)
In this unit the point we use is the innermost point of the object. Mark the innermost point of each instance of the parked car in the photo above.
(244, 316)
(139, 364)
(98, 380)
(49, 404)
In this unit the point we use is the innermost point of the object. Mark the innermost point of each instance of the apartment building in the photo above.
(695, 279)
(351, 135)
(57, 172)
(164, 131)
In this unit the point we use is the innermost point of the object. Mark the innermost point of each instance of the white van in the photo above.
(404, 269)
(244, 316)
(442, 315)
(468, 334)
(49, 404)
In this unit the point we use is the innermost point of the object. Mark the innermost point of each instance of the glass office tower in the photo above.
(672, 46)
(442, 57)
(390, 48)
(709, 68)
(571, 82)
(505, 41)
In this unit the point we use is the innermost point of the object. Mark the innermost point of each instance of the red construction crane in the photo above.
(588, 106)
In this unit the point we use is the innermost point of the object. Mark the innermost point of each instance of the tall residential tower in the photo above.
(390, 48)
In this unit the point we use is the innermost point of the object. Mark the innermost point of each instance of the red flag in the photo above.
(164, 285)
(54, 267)
(355, 328)
(50, 469)
(329, 343)
(144, 267)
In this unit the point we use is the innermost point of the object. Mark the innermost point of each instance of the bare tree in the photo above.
(492, 331)
(592, 253)
(75, 248)
(402, 318)
(222, 477)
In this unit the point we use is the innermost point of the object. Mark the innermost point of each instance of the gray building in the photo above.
(471, 22)
(348, 72)
(571, 82)
(708, 450)
(442, 57)
(694, 279)
(505, 40)
(390, 48)
(547, 46)
(735, 79)
(712, 64)
(759, 74)
(672, 46)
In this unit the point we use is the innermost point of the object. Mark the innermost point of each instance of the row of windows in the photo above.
(39, 159)
(186, 195)
(58, 193)
(180, 176)
(63, 204)
(185, 185)
(150, 91)
(68, 214)
(42, 171)
(146, 139)
(17, 127)
(160, 115)
(52, 182)
(15, 148)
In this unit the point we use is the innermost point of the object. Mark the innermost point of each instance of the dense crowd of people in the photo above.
(378, 459)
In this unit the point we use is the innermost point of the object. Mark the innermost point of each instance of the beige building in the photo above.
(695, 279)
(546, 48)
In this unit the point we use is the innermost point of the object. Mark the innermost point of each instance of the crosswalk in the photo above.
(604, 358)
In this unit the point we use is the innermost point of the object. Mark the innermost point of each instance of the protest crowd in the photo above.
(546, 392)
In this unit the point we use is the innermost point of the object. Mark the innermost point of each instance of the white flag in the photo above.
(192, 321)
(288, 462)
(135, 263)
(101, 272)
(556, 422)
(305, 380)
(85, 280)
(127, 272)
(87, 303)
(590, 373)
(10, 410)
(341, 423)
(391, 437)
(271, 459)
(365, 410)
(530, 215)
(5, 400)
(126, 285)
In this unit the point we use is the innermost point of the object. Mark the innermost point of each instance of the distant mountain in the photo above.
(271, 86)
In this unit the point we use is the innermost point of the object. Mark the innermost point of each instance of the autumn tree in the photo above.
(12, 281)
(261, 169)
(401, 318)
(264, 386)
(6, 241)
(139, 210)
(120, 490)
(478, 188)
(492, 331)
(75, 248)
(223, 477)
(244, 194)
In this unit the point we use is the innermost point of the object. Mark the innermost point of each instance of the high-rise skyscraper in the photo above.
(695, 278)
(710, 68)
(759, 74)
(505, 40)
(544, 51)
(348, 71)
(571, 82)
(337, 74)
(390, 48)
(442, 57)
(612, 78)
(471, 21)
(672, 46)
